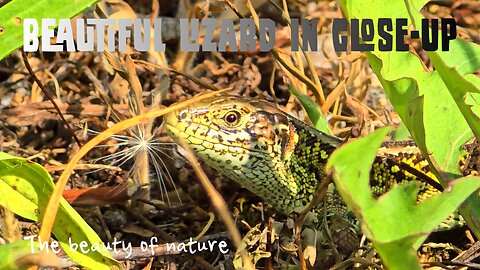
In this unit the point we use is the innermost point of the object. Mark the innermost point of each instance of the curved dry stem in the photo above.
(220, 205)
(53, 203)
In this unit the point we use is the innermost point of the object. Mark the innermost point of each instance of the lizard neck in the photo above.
(304, 164)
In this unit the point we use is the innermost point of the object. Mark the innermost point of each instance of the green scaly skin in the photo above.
(282, 160)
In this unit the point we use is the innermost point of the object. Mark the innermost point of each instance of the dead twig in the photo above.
(45, 92)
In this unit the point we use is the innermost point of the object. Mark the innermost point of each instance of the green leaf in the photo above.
(13, 14)
(401, 133)
(396, 209)
(11, 252)
(460, 88)
(25, 188)
(356, 168)
(313, 110)
(423, 99)
(398, 254)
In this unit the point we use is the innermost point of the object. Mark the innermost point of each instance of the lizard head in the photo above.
(245, 139)
(225, 129)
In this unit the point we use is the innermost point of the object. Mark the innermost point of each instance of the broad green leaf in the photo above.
(25, 188)
(399, 255)
(356, 168)
(459, 88)
(13, 14)
(353, 167)
(421, 97)
(398, 208)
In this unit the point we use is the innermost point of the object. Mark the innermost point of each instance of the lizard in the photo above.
(282, 160)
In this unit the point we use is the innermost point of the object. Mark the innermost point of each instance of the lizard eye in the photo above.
(232, 118)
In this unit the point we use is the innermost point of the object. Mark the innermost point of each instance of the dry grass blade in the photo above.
(53, 203)
(318, 94)
(334, 95)
(186, 75)
(288, 65)
(142, 168)
(219, 203)
(47, 94)
(132, 78)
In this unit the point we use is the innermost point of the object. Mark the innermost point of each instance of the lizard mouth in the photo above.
(171, 124)
(170, 121)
